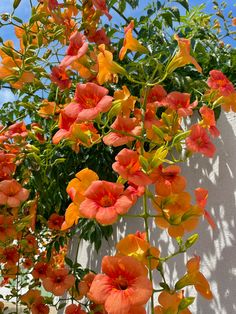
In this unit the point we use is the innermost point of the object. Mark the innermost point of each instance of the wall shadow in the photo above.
(217, 247)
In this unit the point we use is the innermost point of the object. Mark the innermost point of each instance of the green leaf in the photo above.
(150, 12)
(57, 246)
(112, 2)
(133, 3)
(122, 6)
(217, 112)
(49, 251)
(61, 306)
(175, 12)
(167, 16)
(62, 241)
(69, 262)
(184, 4)
(159, 5)
(16, 3)
(219, 13)
(233, 58)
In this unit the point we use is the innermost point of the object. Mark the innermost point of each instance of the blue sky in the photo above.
(6, 5)
(24, 10)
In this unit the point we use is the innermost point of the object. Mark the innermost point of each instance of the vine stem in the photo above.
(17, 284)
(77, 249)
(76, 258)
(145, 209)
(17, 289)
(180, 251)
(145, 214)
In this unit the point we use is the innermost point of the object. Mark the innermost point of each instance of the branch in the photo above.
(124, 17)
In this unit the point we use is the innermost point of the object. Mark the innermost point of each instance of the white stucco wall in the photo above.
(216, 248)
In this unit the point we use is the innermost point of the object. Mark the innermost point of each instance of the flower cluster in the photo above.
(105, 123)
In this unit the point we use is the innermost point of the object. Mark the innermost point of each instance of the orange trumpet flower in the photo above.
(101, 6)
(74, 309)
(183, 56)
(107, 68)
(58, 281)
(104, 201)
(76, 189)
(12, 67)
(196, 278)
(12, 194)
(131, 43)
(128, 166)
(123, 288)
(136, 245)
(123, 129)
(199, 142)
(169, 303)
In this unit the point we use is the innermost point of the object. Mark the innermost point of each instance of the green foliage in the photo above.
(122, 4)
(91, 231)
